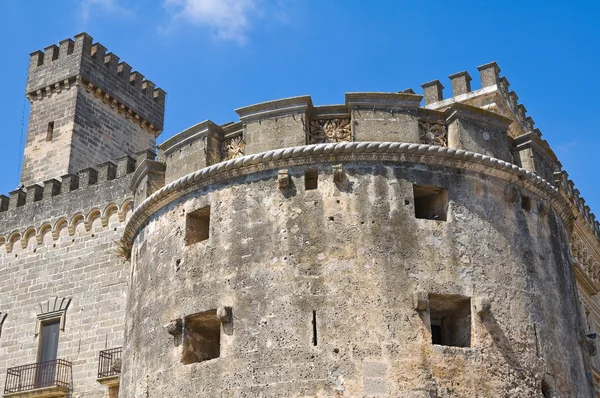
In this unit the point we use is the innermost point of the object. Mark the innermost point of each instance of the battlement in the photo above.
(577, 201)
(86, 63)
(489, 121)
(494, 95)
(69, 194)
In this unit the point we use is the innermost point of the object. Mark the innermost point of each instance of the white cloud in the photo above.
(88, 7)
(229, 19)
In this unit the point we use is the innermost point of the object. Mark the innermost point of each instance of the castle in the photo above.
(396, 245)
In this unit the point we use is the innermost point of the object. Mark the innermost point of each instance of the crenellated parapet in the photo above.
(488, 121)
(581, 209)
(92, 193)
(81, 62)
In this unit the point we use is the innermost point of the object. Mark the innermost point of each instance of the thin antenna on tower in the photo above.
(21, 140)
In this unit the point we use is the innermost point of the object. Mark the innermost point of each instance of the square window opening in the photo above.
(431, 203)
(450, 318)
(50, 131)
(201, 337)
(311, 179)
(197, 226)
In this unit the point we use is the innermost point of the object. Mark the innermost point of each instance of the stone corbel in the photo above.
(338, 173)
(283, 177)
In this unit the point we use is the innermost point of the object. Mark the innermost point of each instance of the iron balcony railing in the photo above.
(109, 362)
(56, 373)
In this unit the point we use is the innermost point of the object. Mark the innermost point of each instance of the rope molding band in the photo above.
(344, 151)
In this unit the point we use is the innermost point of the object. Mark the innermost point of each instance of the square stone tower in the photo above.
(86, 108)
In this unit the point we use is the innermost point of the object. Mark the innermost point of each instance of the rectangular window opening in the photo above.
(431, 202)
(47, 353)
(201, 337)
(450, 318)
(526, 203)
(197, 225)
(311, 179)
(50, 131)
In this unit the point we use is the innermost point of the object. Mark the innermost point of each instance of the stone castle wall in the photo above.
(316, 271)
(353, 253)
(63, 245)
(99, 110)
(331, 291)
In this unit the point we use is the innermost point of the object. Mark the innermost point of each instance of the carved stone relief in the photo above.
(433, 134)
(232, 148)
(329, 130)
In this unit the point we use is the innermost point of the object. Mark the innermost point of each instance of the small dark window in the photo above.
(436, 331)
(50, 131)
(201, 337)
(311, 179)
(431, 203)
(197, 225)
(450, 320)
(526, 203)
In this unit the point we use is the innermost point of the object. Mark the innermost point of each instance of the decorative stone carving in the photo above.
(54, 308)
(433, 134)
(329, 130)
(232, 148)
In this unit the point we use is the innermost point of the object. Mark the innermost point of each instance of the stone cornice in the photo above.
(340, 152)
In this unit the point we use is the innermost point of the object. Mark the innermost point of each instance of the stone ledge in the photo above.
(109, 381)
(46, 392)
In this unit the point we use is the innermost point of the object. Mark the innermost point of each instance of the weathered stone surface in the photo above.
(435, 251)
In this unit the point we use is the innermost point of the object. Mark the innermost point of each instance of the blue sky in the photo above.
(213, 56)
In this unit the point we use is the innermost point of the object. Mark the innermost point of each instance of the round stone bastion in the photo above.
(374, 265)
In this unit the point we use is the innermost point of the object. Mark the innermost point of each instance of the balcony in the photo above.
(50, 379)
(109, 367)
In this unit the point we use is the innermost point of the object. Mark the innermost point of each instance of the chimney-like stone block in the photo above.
(51, 188)
(35, 193)
(386, 117)
(125, 165)
(36, 59)
(107, 171)
(477, 130)
(489, 74)
(70, 182)
(51, 53)
(461, 83)
(4, 201)
(83, 43)
(513, 98)
(66, 47)
(433, 91)
(88, 176)
(17, 199)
